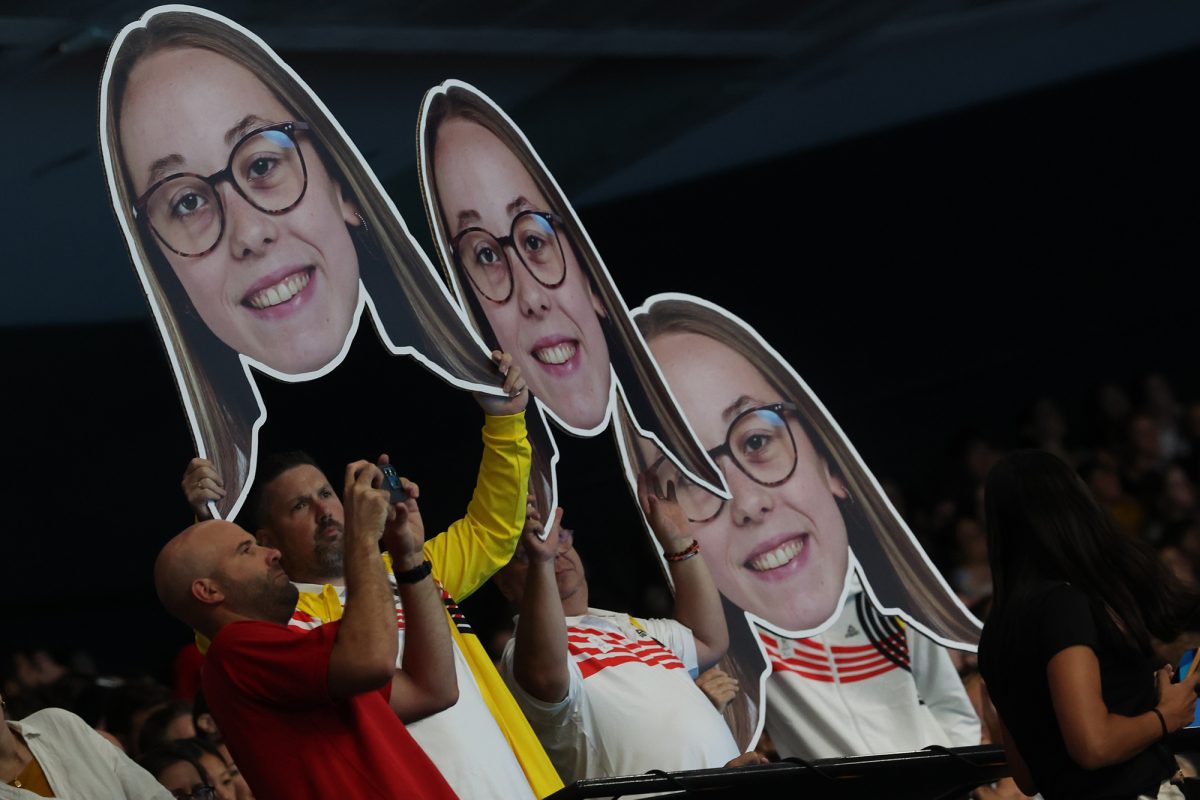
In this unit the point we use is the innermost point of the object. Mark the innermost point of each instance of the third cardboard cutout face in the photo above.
(777, 548)
(803, 508)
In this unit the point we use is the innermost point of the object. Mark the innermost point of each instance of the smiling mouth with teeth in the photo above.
(778, 556)
(279, 293)
(558, 354)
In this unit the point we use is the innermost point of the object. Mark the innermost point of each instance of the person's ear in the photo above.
(349, 208)
(836, 485)
(207, 592)
(598, 306)
(206, 723)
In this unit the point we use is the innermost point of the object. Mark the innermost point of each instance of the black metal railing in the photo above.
(943, 773)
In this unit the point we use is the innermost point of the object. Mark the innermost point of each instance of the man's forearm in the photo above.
(426, 682)
(540, 653)
(364, 653)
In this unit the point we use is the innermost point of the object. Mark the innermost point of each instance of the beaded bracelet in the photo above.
(684, 554)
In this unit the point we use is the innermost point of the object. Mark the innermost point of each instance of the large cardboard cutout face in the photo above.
(803, 509)
(805, 525)
(522, 265)
(258, 231)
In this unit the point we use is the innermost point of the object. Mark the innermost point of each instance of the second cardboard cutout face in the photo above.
(521, 264)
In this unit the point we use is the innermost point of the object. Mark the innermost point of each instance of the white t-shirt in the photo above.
(867, 685)
(632, 704)
(464, 741)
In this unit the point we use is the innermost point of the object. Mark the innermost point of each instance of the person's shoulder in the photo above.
(258, 632)
(58, 716)
(1058, 594)
(53, 720)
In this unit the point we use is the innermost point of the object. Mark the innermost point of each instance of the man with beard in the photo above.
(306, 713)
(483, 745)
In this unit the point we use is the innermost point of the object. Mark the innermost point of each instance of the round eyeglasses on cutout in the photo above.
(533, 236)
(266, 167)
(759, 442)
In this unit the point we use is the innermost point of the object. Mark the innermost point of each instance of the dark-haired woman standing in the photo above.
(1066, 651)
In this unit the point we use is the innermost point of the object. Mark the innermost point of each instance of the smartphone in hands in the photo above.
(391, 482)
(1186, 664)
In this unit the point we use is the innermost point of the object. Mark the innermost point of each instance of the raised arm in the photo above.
(697, 602)
(1094, 736)
(425, 683)
(540, 657)
(474, 547)
(364, 653)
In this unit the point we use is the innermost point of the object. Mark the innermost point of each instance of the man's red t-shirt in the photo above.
(268, 688)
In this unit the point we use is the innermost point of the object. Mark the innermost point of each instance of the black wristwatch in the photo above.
(415, 574)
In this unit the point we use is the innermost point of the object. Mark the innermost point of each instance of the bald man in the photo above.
(310, 714)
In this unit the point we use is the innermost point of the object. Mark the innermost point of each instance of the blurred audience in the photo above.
(1138, 452)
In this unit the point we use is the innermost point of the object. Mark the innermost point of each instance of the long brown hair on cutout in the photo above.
(652, 408)
(414, 309)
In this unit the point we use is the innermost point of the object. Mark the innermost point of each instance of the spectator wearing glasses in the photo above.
(607, 693)
(316, 713)
(529, 277)
(780, 549)
(53, 753)
(251, 219)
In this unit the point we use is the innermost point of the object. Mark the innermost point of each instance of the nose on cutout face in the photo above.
(751, 500)
(250, 230)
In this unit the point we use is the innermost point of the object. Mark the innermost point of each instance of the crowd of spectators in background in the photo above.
(1138, 451)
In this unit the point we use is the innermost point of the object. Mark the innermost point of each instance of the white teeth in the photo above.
(774, 559)
(559, 354)
(280, 292)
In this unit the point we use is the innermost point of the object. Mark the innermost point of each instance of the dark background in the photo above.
(926, 280)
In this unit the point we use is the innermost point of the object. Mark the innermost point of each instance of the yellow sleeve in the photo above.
(483, 541)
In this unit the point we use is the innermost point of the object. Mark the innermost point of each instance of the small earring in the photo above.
(363, 227)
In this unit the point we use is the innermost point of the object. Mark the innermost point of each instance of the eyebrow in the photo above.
(307, 494)
(734, 408)
(518, 204)
(174, 161)
(244, 126)
(464, 218)
(160, 167)
(244, 545)
(470, 215)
